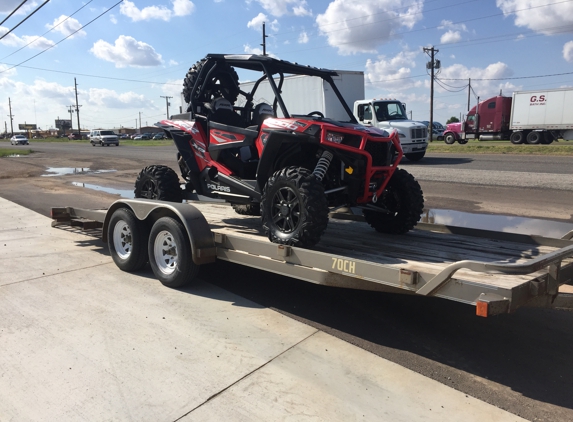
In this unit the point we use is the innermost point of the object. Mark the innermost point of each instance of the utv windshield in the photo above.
(390, 111)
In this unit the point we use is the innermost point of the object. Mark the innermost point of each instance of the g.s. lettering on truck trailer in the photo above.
(533, 117)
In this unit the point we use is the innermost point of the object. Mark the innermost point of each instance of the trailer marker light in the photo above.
(481, 309)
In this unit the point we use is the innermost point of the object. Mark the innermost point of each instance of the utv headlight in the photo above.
(334, 137)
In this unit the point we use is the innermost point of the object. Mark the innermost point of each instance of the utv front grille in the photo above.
(352, 140)
(380, 152)
(419, 133)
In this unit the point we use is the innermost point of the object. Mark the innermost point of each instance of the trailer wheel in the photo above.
(449, 139)
(517, 137)
(294, 209)
(127, 240)
(248, 209)
(158, 182)
(415, 156)
(401, 205)
(170, 253)
(534, 137)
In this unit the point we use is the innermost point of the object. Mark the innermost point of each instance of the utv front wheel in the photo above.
(294, 208)
(158, 182)
(401, 205)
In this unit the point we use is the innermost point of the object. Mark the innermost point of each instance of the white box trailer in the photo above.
(303, 94)
(543, 110)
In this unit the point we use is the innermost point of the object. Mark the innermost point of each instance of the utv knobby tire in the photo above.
(170, 253)
(294, 209)
(158, 182)
(127, 240)
(404, 200)
(248, 209)
(224, 82)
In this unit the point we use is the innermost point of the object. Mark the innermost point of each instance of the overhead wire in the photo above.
(25, 19)
(13, 11)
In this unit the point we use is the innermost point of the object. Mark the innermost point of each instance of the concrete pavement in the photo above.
(82, 340)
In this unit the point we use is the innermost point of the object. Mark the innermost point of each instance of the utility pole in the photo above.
(11, 117)
(469, 91)
(78, 110)
(166, 103)
(432, 65)
(264, 44)
(71, 111)
(140, 122)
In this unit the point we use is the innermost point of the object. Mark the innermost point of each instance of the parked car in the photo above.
(103, 138)
(19, 140)
(124, 136)
(159, 136)
(142, 136)
(438, 130)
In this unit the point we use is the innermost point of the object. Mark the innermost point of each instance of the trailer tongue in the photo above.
(494, 271)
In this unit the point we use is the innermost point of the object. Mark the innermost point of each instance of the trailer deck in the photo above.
(494, 271)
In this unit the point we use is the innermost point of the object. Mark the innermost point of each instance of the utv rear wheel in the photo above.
(223, 82)
(294, 208)
(415, 156)
(248, 209)
(170, 253)
(401, 205)
(127, 240)
(158, 182)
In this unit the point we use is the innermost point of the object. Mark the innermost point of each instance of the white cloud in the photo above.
(38, 43)
(109, 98)
(359, 27)
(568, 51)
(484, 88)
(257, 21)
(538, 16)
(392, 73)
(281, 7)
(450, 37)
(173, 88)
(303, 38)
(7, 6)
(127, 51)
(446, 24)
(66, 26)
(173, 62)
(180, 8)
(256, 50)
(113, 19)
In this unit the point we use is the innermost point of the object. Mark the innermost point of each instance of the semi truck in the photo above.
(532, 117)
(305, 93)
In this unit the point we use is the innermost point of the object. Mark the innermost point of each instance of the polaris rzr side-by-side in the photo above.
(291, 169)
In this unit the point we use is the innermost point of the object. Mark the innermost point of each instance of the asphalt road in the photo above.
(518, 362)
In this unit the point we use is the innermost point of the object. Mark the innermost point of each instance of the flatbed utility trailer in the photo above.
(495, 272)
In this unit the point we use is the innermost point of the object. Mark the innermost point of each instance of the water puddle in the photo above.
(502, 223)
(124, 193)
(61, 171)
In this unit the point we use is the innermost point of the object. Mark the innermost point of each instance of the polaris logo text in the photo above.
(218, 188)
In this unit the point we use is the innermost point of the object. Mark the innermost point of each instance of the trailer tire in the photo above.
(294, 209)
(158, 182)
(403, 199)
(415, 156)
(449, 139)
(170, 253)
(127, 240)
(534, 137)
(223, 83)
(248, 209)
(548, 138)
(517, 138)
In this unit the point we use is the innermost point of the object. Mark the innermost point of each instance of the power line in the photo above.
(13, 11)
(509, 78)
(25, 19)
(73, 33)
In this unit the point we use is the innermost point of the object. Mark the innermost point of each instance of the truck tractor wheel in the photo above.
(449, 139)
(294, 209)
(127, 240)
(415, 156)
(158, 182)
(534, 137)
(401, 205)
(462, 141)
(170, 253)
(224, 82)
(248, 209)
(517, 137)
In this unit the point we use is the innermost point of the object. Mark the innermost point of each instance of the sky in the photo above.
(126, 56)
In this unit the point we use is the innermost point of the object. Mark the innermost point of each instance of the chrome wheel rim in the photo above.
(165, 252)
(122, 239)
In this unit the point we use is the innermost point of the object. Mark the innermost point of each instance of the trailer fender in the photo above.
(203, 248)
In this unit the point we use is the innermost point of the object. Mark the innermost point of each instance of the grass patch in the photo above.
(7, 152)
(563, 148)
